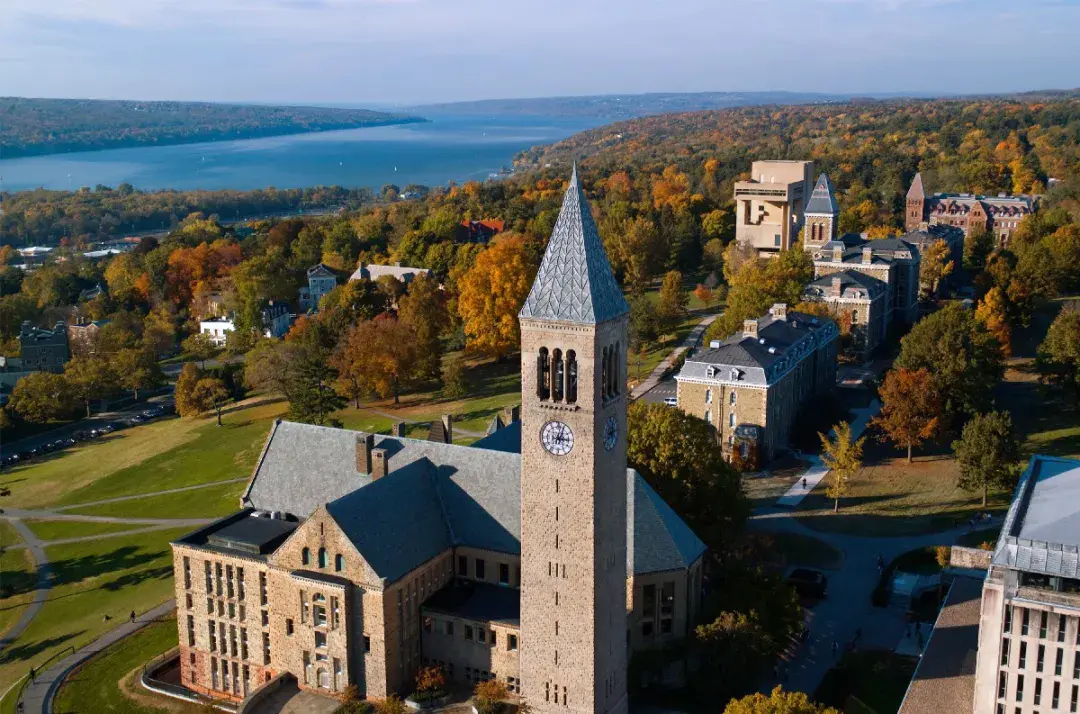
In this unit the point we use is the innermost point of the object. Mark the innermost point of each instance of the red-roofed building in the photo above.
(481, 231)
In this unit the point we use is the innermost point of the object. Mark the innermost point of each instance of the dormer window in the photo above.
(710, 372)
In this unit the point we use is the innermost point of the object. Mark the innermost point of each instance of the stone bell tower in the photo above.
(573, 474)
(821, 216)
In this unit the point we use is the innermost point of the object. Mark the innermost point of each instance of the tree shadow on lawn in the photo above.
(1034, 412)
(24, 653)
(70, 571)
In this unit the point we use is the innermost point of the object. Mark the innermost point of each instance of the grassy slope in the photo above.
(60, 530)
(17, 574)
(109, 576)
(210, 502)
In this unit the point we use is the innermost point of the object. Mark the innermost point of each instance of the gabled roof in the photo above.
(916, 190)
(320, 271)
(575, 282)
(822, 200)
(848, 279)
(434, 497)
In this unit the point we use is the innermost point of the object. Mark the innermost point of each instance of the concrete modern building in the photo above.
(751, 386)
(857, 302)
(999, 214)
(43, 350)
(534, 556)
(890, 260)
(769, 208)
(1029, 628)
(321, 280)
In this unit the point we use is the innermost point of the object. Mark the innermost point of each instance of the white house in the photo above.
(276, 321)
(217, 328)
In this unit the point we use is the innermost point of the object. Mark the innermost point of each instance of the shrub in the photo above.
(489, 696)
(430, 684)
(942, 554)
(355, 707)
(390, 705)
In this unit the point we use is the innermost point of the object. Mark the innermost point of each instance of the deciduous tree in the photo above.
(704, 294)
(1058, 357)
(423, 310)
(843, 456)
(934, 267)
(199, 346)
(89, 378)
(987, 452)
(186, 405)
(380, 355)
(911, 408)
(41, 397)
(454, 385)
(137, 369)
(492, 293)
(776, 702)
(268, 367)
(210, 393)
(993, 313)
(671, 307)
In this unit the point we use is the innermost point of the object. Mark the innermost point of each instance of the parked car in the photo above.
(671, 401)
(809, 583)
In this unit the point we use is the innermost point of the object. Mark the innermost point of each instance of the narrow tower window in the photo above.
(616, 364)
(571, 377)
(604, 373)
(542, 368)
(557, 375)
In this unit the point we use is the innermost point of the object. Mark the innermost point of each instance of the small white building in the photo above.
(276, 321)
(217, 328)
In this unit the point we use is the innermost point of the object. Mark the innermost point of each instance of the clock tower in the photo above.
(573, 474)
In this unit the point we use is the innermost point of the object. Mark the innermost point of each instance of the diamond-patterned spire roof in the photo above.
(575, 282)
(822, 200)
(916, 190)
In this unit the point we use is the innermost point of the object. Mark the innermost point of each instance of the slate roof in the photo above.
(373, 272)
(1041, 533)
(320, 271)
(472, 600)
(751, 355)
(454, 495)
(849, 280)
(575, 282)
(917, 190)
(822, 200)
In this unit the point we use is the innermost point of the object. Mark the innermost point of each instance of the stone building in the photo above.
(534, 556)
(822, 216)
(373, 272)
(769, 208)
(890, 260)
(43, 350)
(754, 383)
(857, 302)
(321, 280)
(999, 214)
(1029, 623)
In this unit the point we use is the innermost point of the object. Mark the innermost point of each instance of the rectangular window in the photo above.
(1038, 691)
(1026, 622)
(481, 635)
(463, 566)
(220, 589)
(1008, 619)
(1073, 699)
(1019, 687)
(335, 613)
(1005, 652)
(266, 647)
(262, 589)
(1061, 628)
(1003, 684)
(213, 636)
(240, 583)
(187, 573)
(232, 640)
(209, 577)
(367, 643)
(1043, 619)
(190, 631)
(1057, 696)
(1023, 655)
(667, 599)
(188, 601)
(288, 626)
(479, 568)
(320, 640)
(504, 573)
(303, 607)
(209, 606)
(307, 668)
(491, 638)
(468, 632)
(243, 643)
(511, 642)
(265, 618)
(1058, 660)
(1041, 657)
(229, 579)
(213, 673)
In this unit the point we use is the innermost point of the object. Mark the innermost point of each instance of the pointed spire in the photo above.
(917, 191)
(823, 200)
(575, 282)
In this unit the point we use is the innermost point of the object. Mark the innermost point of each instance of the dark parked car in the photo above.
(809, 583)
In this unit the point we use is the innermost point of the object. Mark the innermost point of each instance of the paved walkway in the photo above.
(658, 372)
(38, 696)
(817, 471)
(41, 586)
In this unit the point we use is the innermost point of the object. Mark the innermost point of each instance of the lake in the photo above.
(449, 148)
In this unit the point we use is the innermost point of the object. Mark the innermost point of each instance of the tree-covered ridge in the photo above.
(870, 150)
(30, 127)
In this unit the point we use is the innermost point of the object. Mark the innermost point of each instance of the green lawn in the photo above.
(17, 575)
(639, 366)
(62, 530)
(91, 579)
(791, 549)
(94, 686)
(867, 682)
(210, 502)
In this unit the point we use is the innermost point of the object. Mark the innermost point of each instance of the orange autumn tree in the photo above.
(911, 408)
(192, 270)
(992, 312)
(492, 293)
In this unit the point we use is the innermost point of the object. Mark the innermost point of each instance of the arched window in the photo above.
(339, 562)
(305, 556)
(323, 559)
(557, 374)
(571, 377)
(604, 373)
(542, 371)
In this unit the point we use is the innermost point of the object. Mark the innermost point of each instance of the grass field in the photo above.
(110, 576)
(61, 530)
(795, 549)
(94, 686)
(16, 576)
(209, 502)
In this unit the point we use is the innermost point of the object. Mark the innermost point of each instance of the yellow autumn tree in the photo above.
(671, 188)
(492, 293)
(992, 312)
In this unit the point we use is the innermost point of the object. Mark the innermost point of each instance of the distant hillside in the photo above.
(31, 127)
(626, 106)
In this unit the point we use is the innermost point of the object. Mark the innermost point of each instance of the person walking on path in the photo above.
(31, 675)
(804, 483)
(133, 617)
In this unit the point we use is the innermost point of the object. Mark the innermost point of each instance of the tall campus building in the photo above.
(533, 556)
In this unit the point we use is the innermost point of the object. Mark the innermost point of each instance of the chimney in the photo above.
(838, 254)
(749, 328)
(448, 427)
(779, 311)
(397, 264)
(836, 290)
(380, 460)
(364, 444)
(513, 414)
(867, 255)
(399, 429)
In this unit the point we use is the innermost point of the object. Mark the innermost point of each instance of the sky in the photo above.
(401, 52)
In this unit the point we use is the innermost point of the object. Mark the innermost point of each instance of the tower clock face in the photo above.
(557, 438)
(611, 433)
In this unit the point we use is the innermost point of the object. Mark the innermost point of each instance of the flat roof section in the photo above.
(1041, 533)
(242, 533)
(944, 680)
(482, 602)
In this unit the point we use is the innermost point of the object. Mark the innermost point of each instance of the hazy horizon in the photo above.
(409, 52)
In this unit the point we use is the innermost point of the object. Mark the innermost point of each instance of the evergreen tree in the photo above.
(312, 397)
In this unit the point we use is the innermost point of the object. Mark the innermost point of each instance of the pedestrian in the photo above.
(804, 483)
(132, 617)
(31, 675)
(105, 617)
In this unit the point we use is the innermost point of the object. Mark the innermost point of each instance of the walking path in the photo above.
(658, 372)
(39, 695)
(817, 471)
(41, 587)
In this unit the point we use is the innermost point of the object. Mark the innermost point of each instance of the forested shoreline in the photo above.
(36, 127)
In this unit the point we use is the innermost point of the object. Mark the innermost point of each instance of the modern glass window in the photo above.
(1005, 652)
(1026, 622)
(1023, 655)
